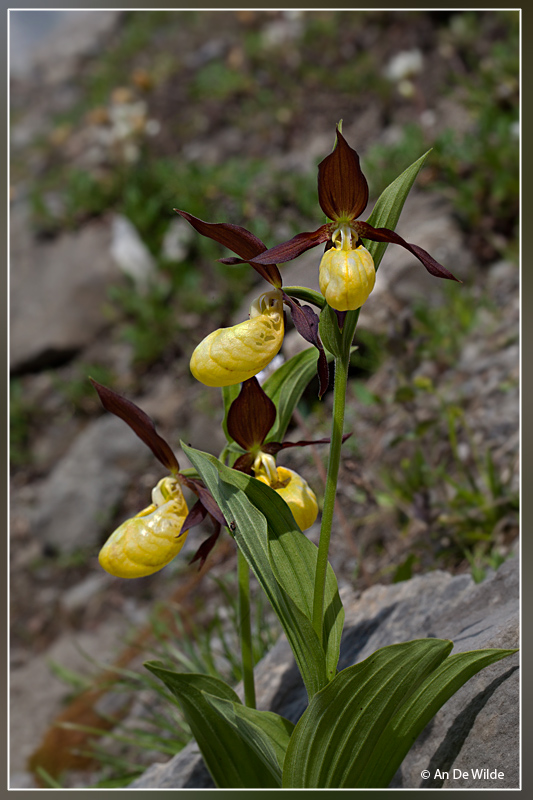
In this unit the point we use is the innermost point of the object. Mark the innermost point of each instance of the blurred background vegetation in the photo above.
(263, 86)
(216, 113)
(194, 109)
(197, 109)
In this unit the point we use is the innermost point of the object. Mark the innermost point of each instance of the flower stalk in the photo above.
(339, 404)
(245, 626)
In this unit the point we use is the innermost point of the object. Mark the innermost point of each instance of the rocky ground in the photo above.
(430, 477)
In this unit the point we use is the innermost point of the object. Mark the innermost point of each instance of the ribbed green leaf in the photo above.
(413, 716)
(357, 731)
(240, 497)
(293, 560)
(388, 207)
(329, 331)
(286, 386)
(230, 758)
(340, 729)
(266, 733)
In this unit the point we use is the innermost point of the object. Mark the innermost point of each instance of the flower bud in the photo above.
(150, 540)
(297, 494)
(346, 277)
(232, 355)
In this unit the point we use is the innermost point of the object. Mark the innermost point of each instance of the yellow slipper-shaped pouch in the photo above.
(232, 355)
(150, 540)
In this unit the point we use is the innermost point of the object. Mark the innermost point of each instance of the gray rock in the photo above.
(185, 771)
(177, 240)
(37, 694)
(76, 502)
(130, 253)
(58, 289)
(78, 597)
(478, 728)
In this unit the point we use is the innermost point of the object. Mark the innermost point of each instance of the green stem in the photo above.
(243, 572)
(339, 402)
(342, 363)
(305, 294)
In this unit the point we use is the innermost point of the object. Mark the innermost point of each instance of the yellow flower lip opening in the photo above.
(291, 487)
(265, 465)
(232, 355)
(343, 236)
(266, 303)
(152, 538)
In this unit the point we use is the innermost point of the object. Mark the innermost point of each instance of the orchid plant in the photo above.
(362, 720)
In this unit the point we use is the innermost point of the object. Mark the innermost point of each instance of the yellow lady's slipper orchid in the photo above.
(347, 274)
(150, 540)
(343, 195)
(248, 246)
(291, 487)
(232, 355)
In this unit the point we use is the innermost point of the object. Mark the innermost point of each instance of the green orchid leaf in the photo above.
(388, 207)
(286, 386)
(413, 716)
(342, 726)
(356, 731)
(329, 331)
(233, 761)
(293, 560)
(241, 497)
(266, 733)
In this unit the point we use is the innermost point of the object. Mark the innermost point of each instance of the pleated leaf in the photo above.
(288, 586)
(266, 733)
(343, 723)
(234, 763)
(293, 560)
(356, 732)
(413, 716)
